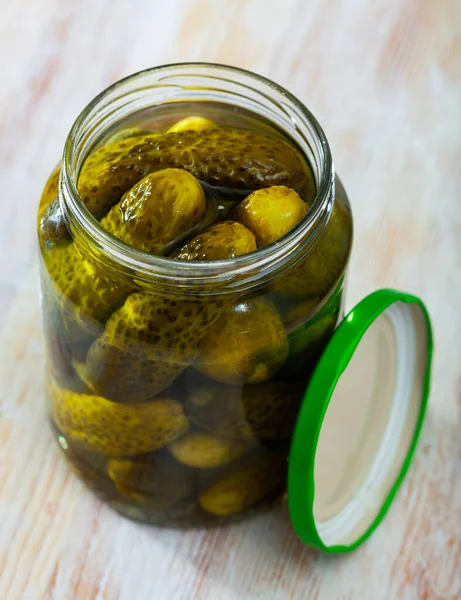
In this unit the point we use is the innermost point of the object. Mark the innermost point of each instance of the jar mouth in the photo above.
(233, 272)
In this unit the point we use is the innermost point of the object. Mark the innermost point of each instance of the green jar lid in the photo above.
(360, 421)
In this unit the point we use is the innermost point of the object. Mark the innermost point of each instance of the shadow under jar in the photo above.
(194, 243)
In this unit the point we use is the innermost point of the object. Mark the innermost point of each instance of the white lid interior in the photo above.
(370, 424)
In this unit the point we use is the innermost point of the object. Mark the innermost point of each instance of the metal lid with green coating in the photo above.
(360, 421)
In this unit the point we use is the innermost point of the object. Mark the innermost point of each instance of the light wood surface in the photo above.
(384, 79)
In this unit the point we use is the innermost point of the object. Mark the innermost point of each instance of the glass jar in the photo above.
(174, 386)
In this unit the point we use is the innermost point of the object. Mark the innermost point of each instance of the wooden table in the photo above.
(384, 79)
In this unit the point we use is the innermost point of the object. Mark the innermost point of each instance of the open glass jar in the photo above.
(174, 385)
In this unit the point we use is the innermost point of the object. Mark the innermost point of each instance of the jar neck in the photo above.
(187, 83)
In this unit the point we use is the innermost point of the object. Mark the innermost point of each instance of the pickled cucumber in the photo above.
(146, 344)
(154, 480)
(52, 228)
(157, 210)
(195, 123)
(227, 157)
(99, 425)
(308, 335)
(297, 314)
(244, 484)
(84, 283)
(203, 450)
(220, 241)
(75, 310)
(303, 342)
(322, 268)
(247, 344)
(266, 411)
(271, 212)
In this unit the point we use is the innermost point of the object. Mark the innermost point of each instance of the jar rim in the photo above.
(160, 267)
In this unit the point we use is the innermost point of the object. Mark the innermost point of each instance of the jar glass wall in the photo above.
(174, 384)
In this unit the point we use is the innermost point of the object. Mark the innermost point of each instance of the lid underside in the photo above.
(359, 423)
(370, 424)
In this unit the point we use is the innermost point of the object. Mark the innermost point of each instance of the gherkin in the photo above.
(85, 282)
(323, 266)
(244, 484)
(203, 450)
(195, 123)
(218, 242)
(146, 344)
(157, 210)
(247, 344)
(227, 157)
(271, 212)
(99, 425)
(52, 228)
(266, 411)
(154, 480)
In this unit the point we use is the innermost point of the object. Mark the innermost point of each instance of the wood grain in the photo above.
(384, 79)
